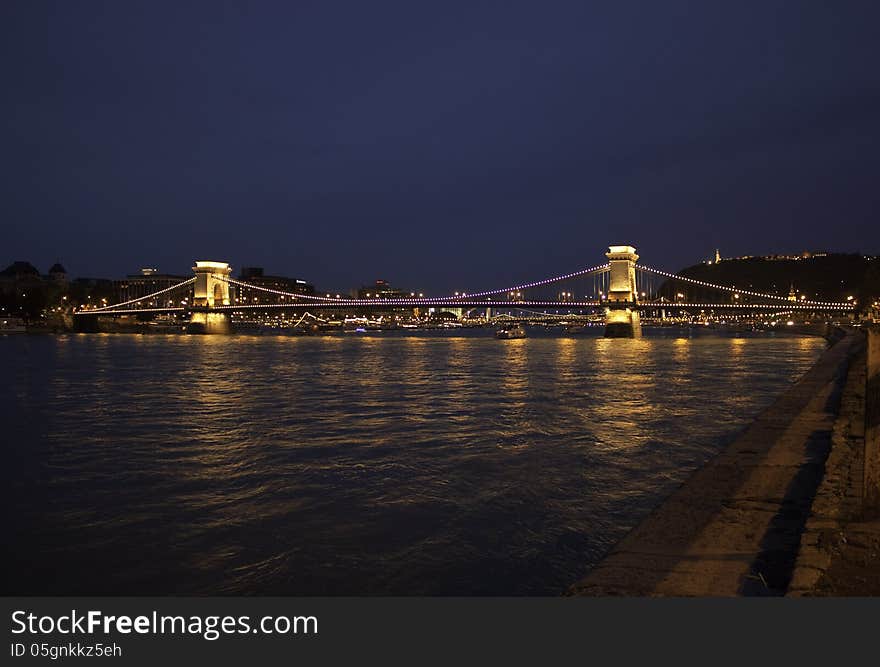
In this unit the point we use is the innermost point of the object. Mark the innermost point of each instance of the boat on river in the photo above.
(513, 331)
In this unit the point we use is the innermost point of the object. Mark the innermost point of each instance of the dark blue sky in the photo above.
(439, 145)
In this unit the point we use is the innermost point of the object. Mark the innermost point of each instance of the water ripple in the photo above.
(453, 464)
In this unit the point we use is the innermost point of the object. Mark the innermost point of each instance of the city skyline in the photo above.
(249, 270)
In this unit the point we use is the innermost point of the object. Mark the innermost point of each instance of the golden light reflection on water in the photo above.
(212, 393)
(566, 350)
(681, 350)
(414, 357)
(733, 368)
(622, 408)
(400, 458)
(514, 378)
(808, 343)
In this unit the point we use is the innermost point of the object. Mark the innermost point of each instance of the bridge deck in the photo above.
(441, 304)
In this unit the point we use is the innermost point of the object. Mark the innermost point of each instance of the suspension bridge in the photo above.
(619, 289)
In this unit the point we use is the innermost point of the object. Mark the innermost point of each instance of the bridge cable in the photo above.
(451, 300)
(143, 298)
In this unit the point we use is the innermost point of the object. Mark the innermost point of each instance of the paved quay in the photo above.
(735, 527)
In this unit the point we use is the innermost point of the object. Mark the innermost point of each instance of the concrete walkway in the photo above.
(734, 528)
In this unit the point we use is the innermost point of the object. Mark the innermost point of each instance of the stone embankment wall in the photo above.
(840, 548)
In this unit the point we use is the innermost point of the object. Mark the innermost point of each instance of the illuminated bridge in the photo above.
(619, 290)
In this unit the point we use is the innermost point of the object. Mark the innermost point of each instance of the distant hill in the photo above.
(820, 277)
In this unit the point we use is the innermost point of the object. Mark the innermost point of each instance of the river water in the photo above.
(438, 463)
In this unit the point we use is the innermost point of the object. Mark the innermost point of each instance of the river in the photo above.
(433, 463)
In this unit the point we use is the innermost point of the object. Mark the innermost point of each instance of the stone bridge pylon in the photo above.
(621, 316)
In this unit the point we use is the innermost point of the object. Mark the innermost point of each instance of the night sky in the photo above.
(439, 145)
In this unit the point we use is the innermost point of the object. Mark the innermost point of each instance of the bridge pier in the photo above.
(621, 318)
(622, 323)
(204, 322)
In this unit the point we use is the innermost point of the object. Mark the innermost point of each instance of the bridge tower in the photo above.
(621, 316)
(209, 291)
